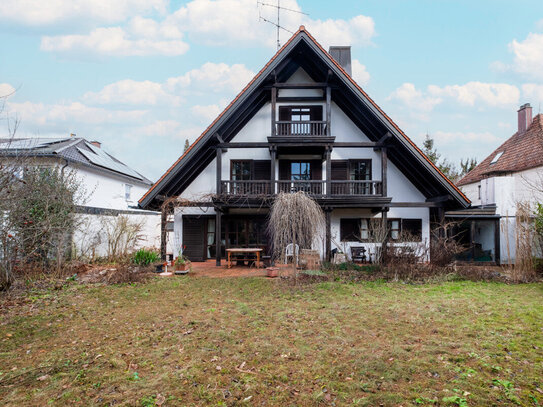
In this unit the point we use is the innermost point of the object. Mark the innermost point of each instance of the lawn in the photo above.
(250, 341)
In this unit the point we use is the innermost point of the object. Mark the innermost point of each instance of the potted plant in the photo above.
(182, 263)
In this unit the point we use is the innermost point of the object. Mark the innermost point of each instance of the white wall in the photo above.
(258, 129)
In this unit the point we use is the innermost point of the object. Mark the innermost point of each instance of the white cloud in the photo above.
(207, 113)
(360, 75)
(50, 115)
(213, 77)
(49, 12)
(414, 99)
(132, 92)
(532, 92)
(528, 55)
(6, 90)
(491, 94)
(113, 41)
(358, 30)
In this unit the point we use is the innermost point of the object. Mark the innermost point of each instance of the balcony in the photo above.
(314, 188)
(307, 128)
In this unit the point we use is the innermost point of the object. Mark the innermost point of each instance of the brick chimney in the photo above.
(96, 143)
(524, 117)
(342, 55)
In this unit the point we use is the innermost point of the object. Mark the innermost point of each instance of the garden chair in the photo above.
(292, 251)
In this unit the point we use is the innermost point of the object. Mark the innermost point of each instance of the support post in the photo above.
(384, 164)
(273, 154)
(163, 232)
(218, 240)
(384, 220)
(273, 112)
(328, 110)
(497, 253)
(327, 214)
(219, 170)
(471, 238)
(328, 171)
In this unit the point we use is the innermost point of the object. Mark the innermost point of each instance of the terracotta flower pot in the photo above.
(272, 272)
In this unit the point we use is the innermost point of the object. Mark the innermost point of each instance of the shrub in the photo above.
(144, 257)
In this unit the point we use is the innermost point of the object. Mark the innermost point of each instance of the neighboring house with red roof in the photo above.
(302, 124)
(511, 174)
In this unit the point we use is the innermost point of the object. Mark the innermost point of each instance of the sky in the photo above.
(142, 76)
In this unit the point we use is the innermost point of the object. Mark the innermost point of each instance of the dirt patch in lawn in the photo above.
(252, 341)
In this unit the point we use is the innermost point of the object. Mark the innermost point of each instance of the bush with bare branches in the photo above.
(295, 218)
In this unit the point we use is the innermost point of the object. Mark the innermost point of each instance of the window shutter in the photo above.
(284, 169)
(316, 113)
(340, 170)
(284, 113)
(316, 169)
(262, 170)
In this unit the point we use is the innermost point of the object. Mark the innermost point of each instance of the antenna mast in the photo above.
(277, 24)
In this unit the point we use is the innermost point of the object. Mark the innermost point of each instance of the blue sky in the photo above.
(141, 76)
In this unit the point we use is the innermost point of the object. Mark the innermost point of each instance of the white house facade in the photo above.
(302, 124)
(109, 188)
(510, 176)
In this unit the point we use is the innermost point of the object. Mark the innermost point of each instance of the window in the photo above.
(497, 157)
(300, 120)
(364, 229)
(127, 192)
(349, 229)
(394, 228)
(412, 228)
(240, 170)
(360, 170)
(300, 171)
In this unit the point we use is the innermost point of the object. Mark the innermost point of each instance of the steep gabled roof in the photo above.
(73, 149)
(352, 99)
(520, 152)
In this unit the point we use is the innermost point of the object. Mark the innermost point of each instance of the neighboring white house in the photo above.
(511, 175)
(302, 124)
(111, 188)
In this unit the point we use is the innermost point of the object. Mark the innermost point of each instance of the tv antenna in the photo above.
(277, 24)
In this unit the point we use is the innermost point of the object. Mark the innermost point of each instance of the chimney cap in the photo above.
(96, 143)
(524, 106)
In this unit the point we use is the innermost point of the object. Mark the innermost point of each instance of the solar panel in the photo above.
(99, 157)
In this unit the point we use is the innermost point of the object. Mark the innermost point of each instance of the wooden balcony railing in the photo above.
(300, 128)
(311, 187)
(356, 187)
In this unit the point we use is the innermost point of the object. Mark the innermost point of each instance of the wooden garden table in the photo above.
(244, 250)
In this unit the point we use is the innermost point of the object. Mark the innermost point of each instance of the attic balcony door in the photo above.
(300, 121)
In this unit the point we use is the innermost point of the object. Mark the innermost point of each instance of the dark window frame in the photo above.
(368, 163)
(251, 169)
(308, 162)
(313, 112)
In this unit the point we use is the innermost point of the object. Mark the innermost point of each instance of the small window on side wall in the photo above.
(127, 192)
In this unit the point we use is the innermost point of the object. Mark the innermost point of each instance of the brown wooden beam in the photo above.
(218, 240)
(163, 233)
(362, 144)
(328, 171)
(309, 85)
(384, 171)
(327, 214)
(273, 110)
(219, 171)
(328, 110)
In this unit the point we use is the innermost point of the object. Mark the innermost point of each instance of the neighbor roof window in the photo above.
(496, 157)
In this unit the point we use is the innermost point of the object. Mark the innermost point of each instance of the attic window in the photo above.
(496, 157)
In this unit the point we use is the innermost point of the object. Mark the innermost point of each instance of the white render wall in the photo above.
(506, 192)
(258, 129)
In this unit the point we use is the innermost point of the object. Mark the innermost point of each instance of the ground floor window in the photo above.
(360, 229)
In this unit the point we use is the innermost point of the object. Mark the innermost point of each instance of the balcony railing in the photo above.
(311, 187)
(300, 128)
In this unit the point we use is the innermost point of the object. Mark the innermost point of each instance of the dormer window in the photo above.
(497, 157)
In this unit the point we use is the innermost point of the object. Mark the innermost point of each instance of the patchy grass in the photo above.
(198, 341)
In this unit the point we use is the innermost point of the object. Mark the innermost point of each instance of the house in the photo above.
(512, 174)
(111, 188)
(301, 124)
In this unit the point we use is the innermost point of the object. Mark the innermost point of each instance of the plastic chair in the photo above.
(292, 251)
